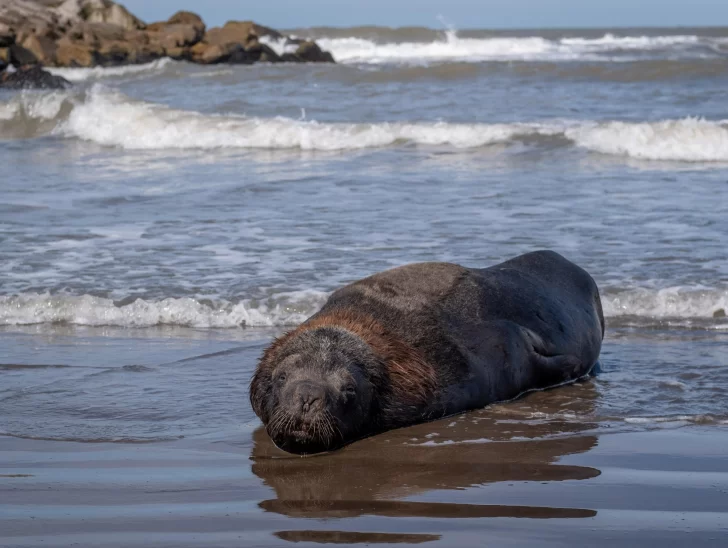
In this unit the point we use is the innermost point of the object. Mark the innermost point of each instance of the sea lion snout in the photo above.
(308, 399)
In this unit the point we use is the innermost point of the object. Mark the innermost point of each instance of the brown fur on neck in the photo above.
(412, 380)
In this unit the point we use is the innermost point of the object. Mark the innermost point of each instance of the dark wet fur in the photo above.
(433, 339)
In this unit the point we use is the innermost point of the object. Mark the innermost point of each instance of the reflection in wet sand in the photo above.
(395, 509)
(350, 537)
(514, 442)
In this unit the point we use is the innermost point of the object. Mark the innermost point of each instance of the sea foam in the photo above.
(109, 118)
(94, 73)
(284, 309)
(670, 302)
(291, 308)
(526, 48)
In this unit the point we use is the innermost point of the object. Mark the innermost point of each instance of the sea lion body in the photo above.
(427, 340)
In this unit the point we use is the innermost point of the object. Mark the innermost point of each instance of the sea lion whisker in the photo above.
(324, 426)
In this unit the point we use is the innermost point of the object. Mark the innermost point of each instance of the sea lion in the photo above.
(424, 341)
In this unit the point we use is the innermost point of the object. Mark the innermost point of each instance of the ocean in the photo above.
(160, 223)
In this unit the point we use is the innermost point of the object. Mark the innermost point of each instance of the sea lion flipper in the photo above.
(561, 367)
(552, 365)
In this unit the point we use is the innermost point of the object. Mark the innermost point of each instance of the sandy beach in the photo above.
(667, 488)
(556, 468)
(200, 183)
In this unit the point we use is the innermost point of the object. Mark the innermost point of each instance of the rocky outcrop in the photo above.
(309, 52)
(32, 77)
(177, 35)
(236, 42)
(7, 35)
(84, 33)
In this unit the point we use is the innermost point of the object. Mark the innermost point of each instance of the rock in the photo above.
(146, 53)
(107, 44)
(20, 57)
(183, 30)
(81, 33)
(176, 36)
(105, 11)
(224, 36)
(7, 35)
(4, 57)
(74, 54)
(96, 34)
(187, 18)
(26, 17)
(178, 54)
(310, 52)
(32, 78)
(239, 32)
(240, 56)
(720, 313)
(262, 53)
(42, 47)
(210, 54)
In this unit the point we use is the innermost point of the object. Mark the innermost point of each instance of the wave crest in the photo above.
(291, 308)
(111, 119)
(670, 302)
(281, 310)
(454, 47)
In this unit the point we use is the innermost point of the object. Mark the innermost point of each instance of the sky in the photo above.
(460, 13)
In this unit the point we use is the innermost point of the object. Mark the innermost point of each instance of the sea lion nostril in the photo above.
(310, 396)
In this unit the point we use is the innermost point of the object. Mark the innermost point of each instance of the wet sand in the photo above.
(167, 453)
(659, 488)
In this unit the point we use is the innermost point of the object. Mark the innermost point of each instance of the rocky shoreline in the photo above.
(89, 33)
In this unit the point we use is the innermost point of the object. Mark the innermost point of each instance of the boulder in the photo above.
(105, 11)
(74, 54)
(187, 18)
(310, 52)
(262, 53)
(96, 34)
(239, 32)
(224, 36)
(7, 35)
(42, 47)
(82, 33)
(178, 54)
(180, 32)
(208, 54)
(33, 77)
(146, 53)
(211, 54)
(21, 57)
(175, 36)
(107, 44)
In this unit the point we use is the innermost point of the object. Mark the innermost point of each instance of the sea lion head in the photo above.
(314, 390)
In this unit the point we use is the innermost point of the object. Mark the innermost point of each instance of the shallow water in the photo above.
(151, 212)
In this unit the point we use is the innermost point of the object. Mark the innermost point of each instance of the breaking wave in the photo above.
(111, 119)
(671, 302)
(450, 46)
(281, 310)
(291, 308)
(83, 74)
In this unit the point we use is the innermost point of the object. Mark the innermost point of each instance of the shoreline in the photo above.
(640, 489)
